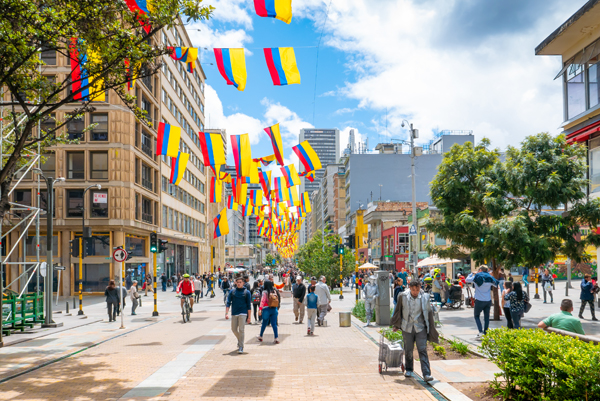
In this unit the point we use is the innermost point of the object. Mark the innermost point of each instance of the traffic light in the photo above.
(162, 245)
(349, 241)
(481, 240)
(74, 247)
(340, 249)
(153, 242)
(88, 247)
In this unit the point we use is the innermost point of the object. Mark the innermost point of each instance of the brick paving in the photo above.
(336, 362)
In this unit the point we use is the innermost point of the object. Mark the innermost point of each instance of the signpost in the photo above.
(120, 256)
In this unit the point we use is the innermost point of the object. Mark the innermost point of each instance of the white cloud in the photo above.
(408, 59)
(204, 36)
(233, 11)
(290, 123)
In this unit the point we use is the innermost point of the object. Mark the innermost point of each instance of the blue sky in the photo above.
(442, 64)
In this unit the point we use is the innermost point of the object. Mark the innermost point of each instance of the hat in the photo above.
(186, 275)
(298, 278)
(313, 278)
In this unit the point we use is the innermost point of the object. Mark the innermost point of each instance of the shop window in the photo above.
(95, 276)
(135, 246)
(30, 245)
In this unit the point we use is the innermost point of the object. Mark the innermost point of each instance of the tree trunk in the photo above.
(496, 298)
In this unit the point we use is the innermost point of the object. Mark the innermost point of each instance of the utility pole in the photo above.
(414, 133)
(48, 322)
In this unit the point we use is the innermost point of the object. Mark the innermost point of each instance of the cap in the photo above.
(186, 275)
(298, 278)
(313, 278)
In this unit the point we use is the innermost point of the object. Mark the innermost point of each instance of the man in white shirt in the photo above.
(324, 295)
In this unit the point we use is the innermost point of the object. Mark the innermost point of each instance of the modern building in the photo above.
(135, 198)
(326, 143)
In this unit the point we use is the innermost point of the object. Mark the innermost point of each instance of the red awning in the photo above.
(583, 134)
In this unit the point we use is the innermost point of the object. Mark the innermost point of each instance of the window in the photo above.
(22, 197)
(135, 246)
(74, 202)
(147, 210)
(201, 187)
(575, 91)
(165, 212)
(75, 129)
(593, 79)
(439, 240)
(99, 165)
(99, 202)
(48, 124)
(100, 132)
(147, 143)
(170, 218)
(594, 156)
(75, 165)
(95, 276)
(137, 207)
(137, 170)
(146, 176)
(202, 207)
(31, 245)
(48, 56)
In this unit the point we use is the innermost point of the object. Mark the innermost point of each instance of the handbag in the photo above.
(329, 307)
(527, 307)
(548, 286)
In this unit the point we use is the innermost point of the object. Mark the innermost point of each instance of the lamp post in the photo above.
(414, 133)
(49, 279)
(97, 186)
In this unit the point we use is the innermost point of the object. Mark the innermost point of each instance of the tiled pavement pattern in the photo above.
(336, 362)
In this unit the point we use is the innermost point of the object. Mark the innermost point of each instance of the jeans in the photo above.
(112, 310)
(197, 295)
(269, 316)
(174, 286)
(525, 276)
(482, 306)
(516, 318)
(238, 325)
(322, 312)
(437, 297)
(164, 286)
(207, 290)
(509, 321)
(134, 306)
(582, 308)
(409, 345)
(255, 309)
(311, 315)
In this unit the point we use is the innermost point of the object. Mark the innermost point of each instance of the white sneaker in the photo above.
(407, 374)
(479, 336)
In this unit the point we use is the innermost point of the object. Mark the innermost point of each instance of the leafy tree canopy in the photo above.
(313, 260)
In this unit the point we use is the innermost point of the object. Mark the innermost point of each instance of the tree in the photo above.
(495, 209)
(314, 261)
(104, 30)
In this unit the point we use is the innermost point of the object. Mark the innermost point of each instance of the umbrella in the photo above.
(434, 260)
(368, 266)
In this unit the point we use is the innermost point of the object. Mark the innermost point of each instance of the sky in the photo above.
(369, 64)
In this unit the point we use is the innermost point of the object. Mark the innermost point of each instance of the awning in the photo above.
(584, 134)
(434, 261)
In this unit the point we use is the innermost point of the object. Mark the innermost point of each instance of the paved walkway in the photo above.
(164, 359)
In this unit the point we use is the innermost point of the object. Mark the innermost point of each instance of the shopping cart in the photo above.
(391, 354)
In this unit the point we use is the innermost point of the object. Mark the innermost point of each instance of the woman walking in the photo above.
(517, 298)
(269, 304)
(256, 298)
(508, 286)
(398, 288)
(112, 300)
(547, 281)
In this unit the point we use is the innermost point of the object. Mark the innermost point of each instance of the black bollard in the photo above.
(67, 306)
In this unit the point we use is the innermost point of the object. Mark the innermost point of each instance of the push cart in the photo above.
(391, 355)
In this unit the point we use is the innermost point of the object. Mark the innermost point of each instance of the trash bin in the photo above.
(345, 320)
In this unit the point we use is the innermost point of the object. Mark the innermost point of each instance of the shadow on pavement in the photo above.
(145, 344)
(241, 379)
(268, 339)
(206, 340)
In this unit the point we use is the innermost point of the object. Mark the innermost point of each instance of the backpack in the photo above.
(273, 301)
(256, 297)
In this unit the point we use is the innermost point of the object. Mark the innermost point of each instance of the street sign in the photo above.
(43, 269)
(120, 255)
(413, 230)
(100, 197)
(59, 268)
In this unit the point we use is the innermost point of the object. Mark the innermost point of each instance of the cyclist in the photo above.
(225, 286)
(186, 287)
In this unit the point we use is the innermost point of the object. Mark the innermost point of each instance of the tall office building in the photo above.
(326, 143)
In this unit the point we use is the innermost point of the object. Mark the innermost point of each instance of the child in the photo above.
(311, 309)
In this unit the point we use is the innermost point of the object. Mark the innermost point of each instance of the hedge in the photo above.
(537, 365)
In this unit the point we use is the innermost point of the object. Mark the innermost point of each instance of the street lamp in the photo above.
(414, 133)
(97, 186)
(48, 281)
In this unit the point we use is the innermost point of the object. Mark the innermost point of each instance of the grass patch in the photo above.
(440, 350)
(459, 347)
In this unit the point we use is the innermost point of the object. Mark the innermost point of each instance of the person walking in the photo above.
(148, 283)
(517, 298)
(174, 282)
(398, 288)
(207, 280)
(163, 281)
(526, 276)
(311, 301)
(483, 282)
(547, 282)
(128, 281)
(414, 316)
(133, 294)
(239, 300)
(123, 296)
(508, 286)
(112, 300)
(197, 288)
(324, 295)
(269, 304)
(299, 292)
(256, 297)
(587, 296)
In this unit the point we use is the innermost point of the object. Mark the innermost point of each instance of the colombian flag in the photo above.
(216, 188)
(141, 9)
(265, 181)
(232, 66)
(80, 76)
(307, 156)
(281, 62)
(231, 203)
(256, 197)
(310, 175)
(242, 155)
(280, 9)
(305, 203)
(275, 135)
(293, 194)
(290, 175)
(213, 150)
(187, 55)
(167, 141)
(178, 166)
(265, 160)
(221, 226)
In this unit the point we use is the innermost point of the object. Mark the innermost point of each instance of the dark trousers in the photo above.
(197, 295)
(112, 310)
(551, 297)
(591, 303)
(509, 322)
(420, 339)
(257, 318)
(482, 306)
(516, 318)
(164, 286)
(134, 306)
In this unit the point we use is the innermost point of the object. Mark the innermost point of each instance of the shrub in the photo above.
(459, 347)
(440, 350)
(389, 334)
(537, 365)
(360, 313)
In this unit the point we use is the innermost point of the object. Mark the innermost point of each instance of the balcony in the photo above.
(147, 149)
(147, 184)
(147, 218)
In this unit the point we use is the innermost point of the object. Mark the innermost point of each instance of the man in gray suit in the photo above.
(414, 316)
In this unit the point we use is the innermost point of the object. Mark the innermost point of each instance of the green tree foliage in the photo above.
(494, 209)
(106, 27)
(313, 260)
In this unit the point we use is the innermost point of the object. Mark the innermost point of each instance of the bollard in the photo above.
(67, 307)
(73, 302)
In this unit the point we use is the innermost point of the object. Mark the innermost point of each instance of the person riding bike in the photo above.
(226, 287)
(186, 287)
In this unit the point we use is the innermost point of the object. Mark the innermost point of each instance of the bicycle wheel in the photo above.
(183, 310)
(187, 311)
